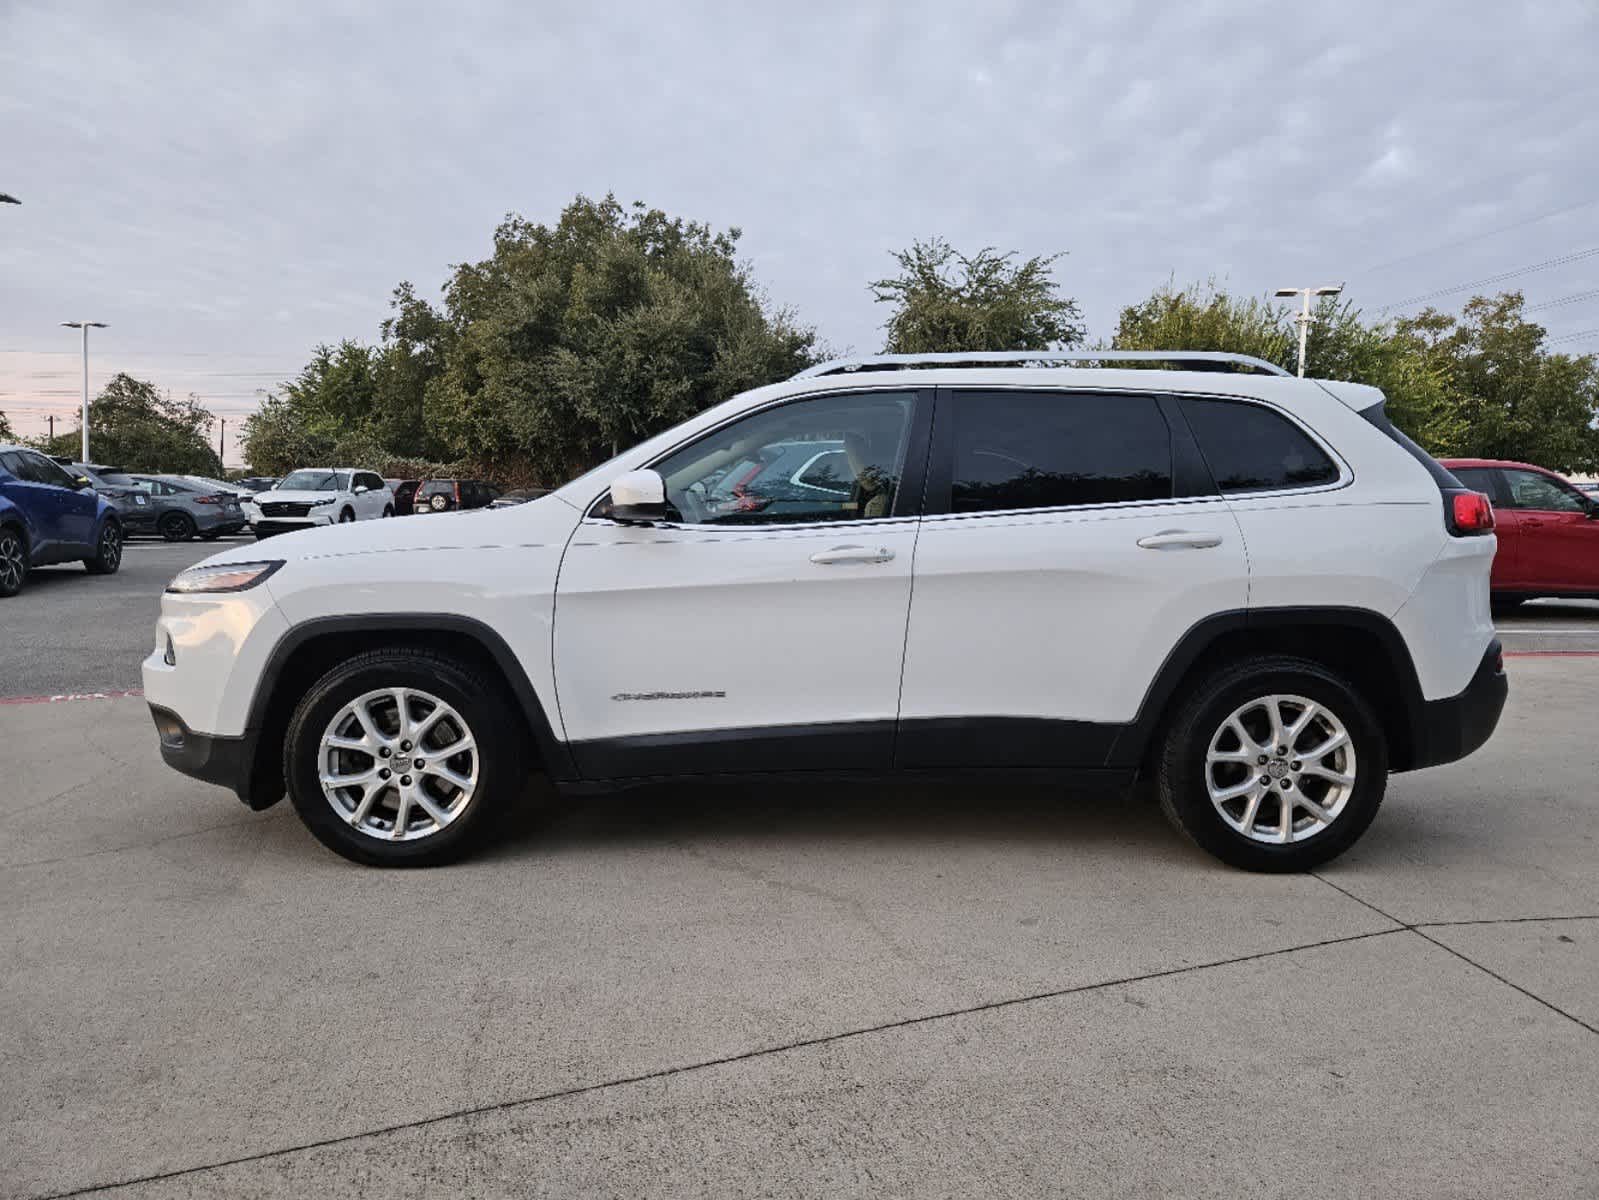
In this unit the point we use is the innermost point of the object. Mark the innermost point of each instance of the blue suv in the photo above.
(48, 515)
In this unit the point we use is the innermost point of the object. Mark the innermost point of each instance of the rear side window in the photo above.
(437, 487)
(1057, 449)
(1478, 479)
(1250, 448)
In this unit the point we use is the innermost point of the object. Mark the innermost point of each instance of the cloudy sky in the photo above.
(228, 184)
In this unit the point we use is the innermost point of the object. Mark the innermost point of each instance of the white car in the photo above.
(1249, 587)
(319, 496)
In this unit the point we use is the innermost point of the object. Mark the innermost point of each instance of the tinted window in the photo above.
(1048, 449)
(436, 487)
(1250, 448)
(1533, 489)
(36, 468)
(1478, 479)
(744, 473)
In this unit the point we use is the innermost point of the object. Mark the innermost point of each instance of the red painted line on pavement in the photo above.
(132, 694)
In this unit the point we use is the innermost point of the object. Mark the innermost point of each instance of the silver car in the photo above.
(186, 508)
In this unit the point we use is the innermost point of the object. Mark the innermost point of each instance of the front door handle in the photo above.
(1180, 539)
(852, 554)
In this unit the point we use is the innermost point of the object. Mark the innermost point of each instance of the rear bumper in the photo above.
(224, 761)
(1453, 728)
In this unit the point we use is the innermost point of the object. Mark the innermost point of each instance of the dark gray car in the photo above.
(186, 508)
(123, 491)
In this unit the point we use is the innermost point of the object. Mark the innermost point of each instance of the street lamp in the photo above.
(85, 326)
(1303, 319)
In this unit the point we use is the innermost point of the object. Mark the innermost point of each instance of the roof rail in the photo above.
(1201, 360)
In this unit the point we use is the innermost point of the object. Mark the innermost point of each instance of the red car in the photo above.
(1548, 530)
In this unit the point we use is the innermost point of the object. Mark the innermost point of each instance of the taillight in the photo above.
(208, 499)
(1469, 514)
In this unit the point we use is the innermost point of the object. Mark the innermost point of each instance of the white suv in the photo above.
(1247, 587)
(319, 496)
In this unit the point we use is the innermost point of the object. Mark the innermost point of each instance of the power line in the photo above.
(1588, 295)
(1562, 260)
(1572, 337)
(1476, 237)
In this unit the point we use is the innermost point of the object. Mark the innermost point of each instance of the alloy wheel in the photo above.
(398, 764)
(12, 563)
(110, 548)
(1280, 769)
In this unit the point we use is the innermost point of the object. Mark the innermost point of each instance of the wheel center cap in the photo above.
(1277, 769)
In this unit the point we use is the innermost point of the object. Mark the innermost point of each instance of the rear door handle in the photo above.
(852, 554)
(1180, 539)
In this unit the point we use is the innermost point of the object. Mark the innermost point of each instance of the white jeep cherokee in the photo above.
(1248, 587)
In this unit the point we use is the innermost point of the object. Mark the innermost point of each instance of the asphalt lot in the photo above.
(784, 990)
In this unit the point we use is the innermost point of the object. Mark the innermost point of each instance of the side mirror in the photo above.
(361, 489)
(639, 497)
(81, 482)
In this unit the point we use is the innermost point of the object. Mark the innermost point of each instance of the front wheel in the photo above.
(13, 562)
(388, 510)
(107, 557)
(346, 516)
(403, 757)
(1274, 764)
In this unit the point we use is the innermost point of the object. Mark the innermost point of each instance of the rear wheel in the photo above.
(13, 561)
(176, 526)
(1275, 764)
(107, 551)
(403, 758)
(388, 510)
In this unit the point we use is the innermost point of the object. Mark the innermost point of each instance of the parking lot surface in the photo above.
(803, 989)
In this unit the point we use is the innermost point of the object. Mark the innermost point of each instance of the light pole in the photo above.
(85, 326)
(1303, 319)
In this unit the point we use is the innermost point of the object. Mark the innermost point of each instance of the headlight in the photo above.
(320, 503)
(223, 577)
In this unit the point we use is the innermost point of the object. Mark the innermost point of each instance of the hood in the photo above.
(535, 523)
(293, 497)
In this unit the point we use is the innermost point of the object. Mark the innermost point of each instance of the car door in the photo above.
(1557, 533)
(757, 631)
(36, 504)
(1071, 539)
(72, 510)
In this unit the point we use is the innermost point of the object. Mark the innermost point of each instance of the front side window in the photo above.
(834, 458)
(1532, 489)
(1055, 449)
(1250, 448)
(36, 468)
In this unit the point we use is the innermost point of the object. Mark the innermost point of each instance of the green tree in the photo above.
(1480, 384)
(132, 425)
(574, 340)
(946, 301)
(567, 343)
(7, 434)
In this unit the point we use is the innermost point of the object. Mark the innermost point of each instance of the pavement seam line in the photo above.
(722, 1061)
(1419, 929)
(162, 841)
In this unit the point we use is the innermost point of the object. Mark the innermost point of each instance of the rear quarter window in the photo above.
(1250, 448)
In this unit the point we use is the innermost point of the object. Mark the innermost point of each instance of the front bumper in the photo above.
(1451, 729)
(224, 761)
(267, 526)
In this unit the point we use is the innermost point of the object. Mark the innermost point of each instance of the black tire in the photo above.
(388, 510)
(175, 526)
(107, 558)
(14, 560)
(1182, 769)
(346, 516)
(210, 535)
(483, 705)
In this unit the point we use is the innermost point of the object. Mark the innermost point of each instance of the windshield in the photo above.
(310, 481)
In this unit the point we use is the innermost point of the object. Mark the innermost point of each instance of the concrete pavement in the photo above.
(797, 990)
